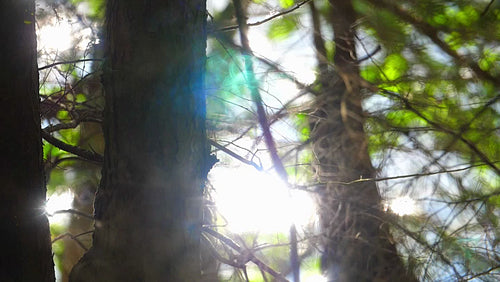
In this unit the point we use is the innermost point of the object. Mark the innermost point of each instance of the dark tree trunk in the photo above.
(26, 248)
(357, 243)
(148, 208)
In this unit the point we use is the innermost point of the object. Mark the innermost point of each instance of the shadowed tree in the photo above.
(357, 244)
(26, 247)
(148, 208)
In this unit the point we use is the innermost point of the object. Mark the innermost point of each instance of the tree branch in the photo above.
(68, 62)
(438, 126)
(85, 154)
(280, 14)
(432, 33)
(75, 212)
(73, 237)
(234, 155)
(409, 175)
(251, 256)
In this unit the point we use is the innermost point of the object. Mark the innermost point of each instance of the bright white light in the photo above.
(253, 201)
(55, 36)
(403, 206)
(56, 202)
(61, 35)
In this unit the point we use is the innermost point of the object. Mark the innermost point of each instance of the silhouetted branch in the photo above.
(68, 62)
(280, 14)
(72, 124)
(85, 154)
(74, 238)
(234, 155)
(409, 175)
(484, 272)
(251, 257)
(487, 8)
(442, 128)
(75, 212)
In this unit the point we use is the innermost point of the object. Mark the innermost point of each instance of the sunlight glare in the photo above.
(55, 36)
(56, 202)
(402, 206)
(253, 201)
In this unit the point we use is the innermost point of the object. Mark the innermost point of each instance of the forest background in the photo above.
(427, 75)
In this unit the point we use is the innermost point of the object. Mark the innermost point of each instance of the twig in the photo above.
(74, 238)
(252, 257)
(68, 62)
(484, 272)
(298, 5)
(69, 125)
(487, 8)
(369, 55)
(408, 175)
(85, 154)
(234, 155)
(76, 212)
(442, 128)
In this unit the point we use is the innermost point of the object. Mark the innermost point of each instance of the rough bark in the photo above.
(148, 208)
(357, 243)
(26, 248)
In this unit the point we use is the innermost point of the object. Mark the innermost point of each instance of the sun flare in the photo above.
(56, 202)
(55, 36)
(252, 201)
(402, 206)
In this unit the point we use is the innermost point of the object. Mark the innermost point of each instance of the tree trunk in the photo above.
(26, 248)
(357, 244)
(148, 208)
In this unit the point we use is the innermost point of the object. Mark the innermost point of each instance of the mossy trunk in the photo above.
(148, 208)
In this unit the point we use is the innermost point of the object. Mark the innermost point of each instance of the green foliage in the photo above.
(286, 3)
(97, 7)
(394, 66)
(443, 116)
(302, 125)
(281, 28)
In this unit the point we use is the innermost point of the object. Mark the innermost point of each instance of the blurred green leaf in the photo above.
(286, 3)
(281, 28)
(395, 66)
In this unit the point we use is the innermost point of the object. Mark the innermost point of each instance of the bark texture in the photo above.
(357, 243)
(148, 208)
(26, 248)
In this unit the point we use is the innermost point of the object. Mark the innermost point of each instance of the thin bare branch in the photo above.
(280, 14)
(410, 175)
(487, 8)
(489, 270)
(458, 135)
(85, 154)
(68, 62)
(240, 250)
(74, 238)
(234, 155)
(75, 212)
